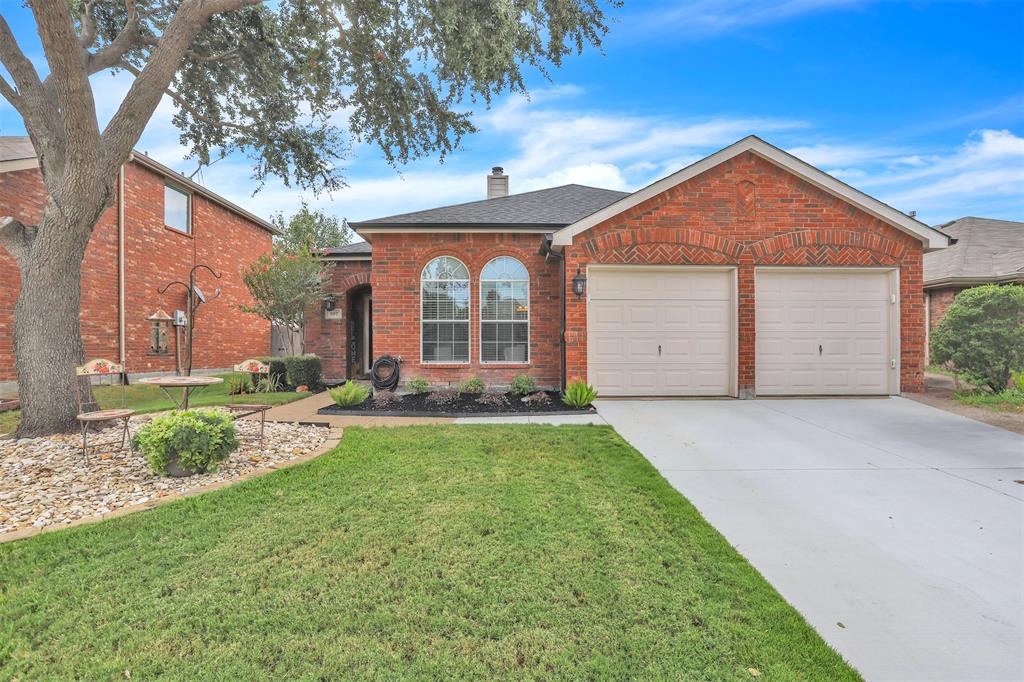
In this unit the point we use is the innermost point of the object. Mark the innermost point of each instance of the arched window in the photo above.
(505, 311)
(444, 311)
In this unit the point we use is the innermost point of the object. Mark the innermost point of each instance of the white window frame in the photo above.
(529, 315)
(469, 313)
(188, 209)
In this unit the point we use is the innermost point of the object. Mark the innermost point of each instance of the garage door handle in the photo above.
(819, 349)
(659, 349)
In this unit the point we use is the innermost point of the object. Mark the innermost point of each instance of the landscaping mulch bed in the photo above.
(466, 405)
(46, 481)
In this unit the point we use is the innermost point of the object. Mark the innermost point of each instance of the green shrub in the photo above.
(277, 369)
(417, 386)
(523, 385)
(982, 335)
(348, 394)
(194, 440)
(304, 370)
(473, 386)
(579, 394)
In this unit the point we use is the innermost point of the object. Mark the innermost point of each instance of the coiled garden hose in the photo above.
(384, 373)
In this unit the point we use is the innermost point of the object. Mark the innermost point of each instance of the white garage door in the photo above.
(824, 332)
(660, 331)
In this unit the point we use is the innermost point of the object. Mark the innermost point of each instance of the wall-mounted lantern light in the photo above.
(579, 283)
(329, 301)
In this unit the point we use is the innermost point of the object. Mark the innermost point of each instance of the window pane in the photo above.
(176, 209)
(504, 342)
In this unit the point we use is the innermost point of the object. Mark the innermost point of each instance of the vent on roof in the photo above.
(497, 183)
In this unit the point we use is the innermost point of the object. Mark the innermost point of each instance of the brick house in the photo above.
(747, 273)
(160, 226)
(983, 251)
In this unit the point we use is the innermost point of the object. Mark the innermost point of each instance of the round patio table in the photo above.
(186, 384)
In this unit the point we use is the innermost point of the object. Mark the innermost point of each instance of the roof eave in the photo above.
(943, 282)
(371, 228)
(931, 238)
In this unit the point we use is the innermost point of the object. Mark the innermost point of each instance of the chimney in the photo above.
(497, 183)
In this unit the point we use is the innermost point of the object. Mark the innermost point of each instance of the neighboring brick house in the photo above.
(167, 224)
(985, 251)
(747, 273)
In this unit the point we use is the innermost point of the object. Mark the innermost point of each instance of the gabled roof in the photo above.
(354, 251)
(541, 210)
(986, 250)
(931, 238)
(17, 153)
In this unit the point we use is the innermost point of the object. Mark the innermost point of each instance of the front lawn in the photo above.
(143, 399)
(436, 552)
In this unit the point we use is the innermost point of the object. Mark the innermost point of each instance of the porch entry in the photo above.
(360, 332)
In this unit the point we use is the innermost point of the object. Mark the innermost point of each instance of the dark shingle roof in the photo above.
(986, 250)
(554, 207)
(355, 249)
(16, 148)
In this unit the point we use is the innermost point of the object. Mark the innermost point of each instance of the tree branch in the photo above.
(88, 34)
(183, 103)
(137, 107)
(15, 61)
(330, 14)
(37, 107)
(16, 237)
(110, 55)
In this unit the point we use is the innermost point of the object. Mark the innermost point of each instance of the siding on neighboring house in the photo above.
(748, 212)
(155, 256)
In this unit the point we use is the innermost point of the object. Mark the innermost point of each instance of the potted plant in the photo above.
(185, 443)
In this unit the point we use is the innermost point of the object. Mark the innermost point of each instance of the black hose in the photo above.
(389, 380)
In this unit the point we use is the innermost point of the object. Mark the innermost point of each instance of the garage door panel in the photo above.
(821, 333)
(687, 313)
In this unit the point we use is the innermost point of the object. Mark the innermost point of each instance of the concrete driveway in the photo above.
(895, 528)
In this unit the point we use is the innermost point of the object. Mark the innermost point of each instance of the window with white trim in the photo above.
(177, 213)
(444, 311)
(505, 311)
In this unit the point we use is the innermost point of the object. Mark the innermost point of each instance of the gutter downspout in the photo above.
(122, 351)
(548, 252)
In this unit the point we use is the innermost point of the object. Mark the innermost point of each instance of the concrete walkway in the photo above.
(895, 528)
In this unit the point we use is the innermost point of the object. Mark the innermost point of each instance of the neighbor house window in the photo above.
(444, 311)
(505, 311)
(176, 210)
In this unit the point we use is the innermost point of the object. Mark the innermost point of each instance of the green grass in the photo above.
(1004, 401)
(9, 420)
(445, 552)
(143, 399)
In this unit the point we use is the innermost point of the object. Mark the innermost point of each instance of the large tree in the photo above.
(289, 83)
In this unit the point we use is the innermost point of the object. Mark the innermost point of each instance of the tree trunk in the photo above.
(47, 335)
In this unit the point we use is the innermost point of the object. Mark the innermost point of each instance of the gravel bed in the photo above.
(45, 481)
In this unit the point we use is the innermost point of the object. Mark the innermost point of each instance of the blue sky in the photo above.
(920, 104)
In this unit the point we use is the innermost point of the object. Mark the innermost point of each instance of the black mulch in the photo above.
(465, 406)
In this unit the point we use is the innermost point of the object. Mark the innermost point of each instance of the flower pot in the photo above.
(175, 470)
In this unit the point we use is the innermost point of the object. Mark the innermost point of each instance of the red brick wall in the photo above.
(748, 212)
(398, 260)
(329, 338)
(938, 303)
(155, 255)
